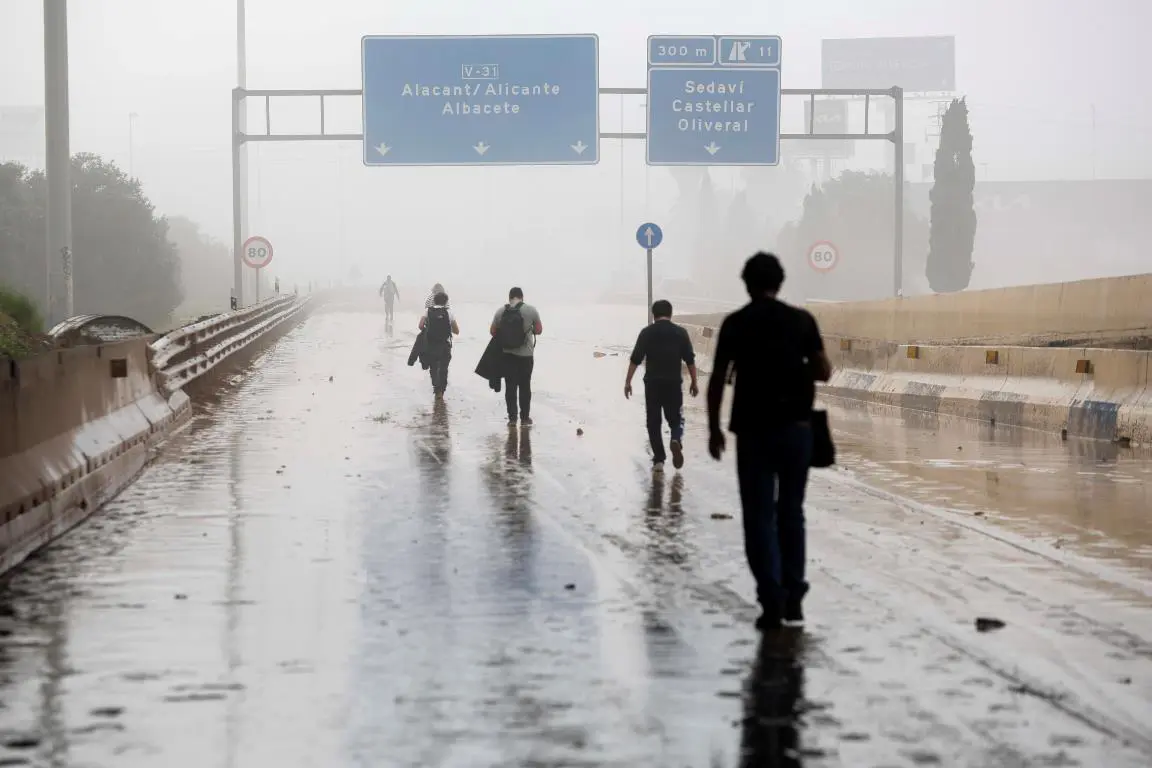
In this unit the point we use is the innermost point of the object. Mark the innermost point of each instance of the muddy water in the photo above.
(1090, 496)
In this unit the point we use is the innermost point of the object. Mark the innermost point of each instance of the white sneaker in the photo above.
(658, 466)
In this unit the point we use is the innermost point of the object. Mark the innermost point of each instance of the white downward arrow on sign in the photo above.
(712, 148)
(481, 148)
(579, 146)
(383, 149)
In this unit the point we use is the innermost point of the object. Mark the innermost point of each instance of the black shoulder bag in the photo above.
(823, 449)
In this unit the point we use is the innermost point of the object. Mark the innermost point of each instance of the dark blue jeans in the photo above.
(518, 384)
(772, 467)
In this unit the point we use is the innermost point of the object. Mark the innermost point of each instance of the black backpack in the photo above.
(438, 329)
(511, 332)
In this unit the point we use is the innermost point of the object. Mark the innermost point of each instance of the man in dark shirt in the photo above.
(662, 347)
(777, 354)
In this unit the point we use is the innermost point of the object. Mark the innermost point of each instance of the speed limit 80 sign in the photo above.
(823, 256)
(257, 252)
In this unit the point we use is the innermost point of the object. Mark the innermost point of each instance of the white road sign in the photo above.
(823, 256)
(257, 252)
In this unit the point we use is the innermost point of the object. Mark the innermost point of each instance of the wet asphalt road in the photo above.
(327, 569)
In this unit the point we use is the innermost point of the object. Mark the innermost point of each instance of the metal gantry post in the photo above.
(58, 160)
(898, 183)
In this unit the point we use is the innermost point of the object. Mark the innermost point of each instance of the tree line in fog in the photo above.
(128, 260)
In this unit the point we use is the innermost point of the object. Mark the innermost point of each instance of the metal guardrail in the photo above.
(187, 353)
(97, 329)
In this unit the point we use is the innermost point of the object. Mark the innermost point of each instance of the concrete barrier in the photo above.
(1089, 392)
(703, 342)
(76, 425)
(1103, 312)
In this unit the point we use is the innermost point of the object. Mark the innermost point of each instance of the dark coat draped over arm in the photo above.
(419, 347)
(491, 365)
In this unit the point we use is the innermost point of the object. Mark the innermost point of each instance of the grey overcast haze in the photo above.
(1042, 77)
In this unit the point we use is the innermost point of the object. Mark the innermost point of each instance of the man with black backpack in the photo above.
(438, 326)
(516, 326)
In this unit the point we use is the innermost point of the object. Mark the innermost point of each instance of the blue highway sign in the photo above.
(749, 51)
(681, 51)
(472, 100)
(723, 112)
(649, 236)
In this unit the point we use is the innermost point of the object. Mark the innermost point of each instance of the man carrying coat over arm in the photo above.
(516, 326)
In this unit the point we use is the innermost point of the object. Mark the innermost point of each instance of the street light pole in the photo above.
(1093, 108)
(239, 157)
(132, 144)
(58, 160)
(647, 170)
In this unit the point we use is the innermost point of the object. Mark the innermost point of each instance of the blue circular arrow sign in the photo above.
(649, 235)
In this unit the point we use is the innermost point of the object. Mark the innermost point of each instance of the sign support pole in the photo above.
(237, 201)
(898, 182)
(649, 236)
(58, 160)
(240, 157)
(649, 286)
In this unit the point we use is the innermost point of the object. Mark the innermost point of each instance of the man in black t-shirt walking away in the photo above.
(662, 347)
(777, 354)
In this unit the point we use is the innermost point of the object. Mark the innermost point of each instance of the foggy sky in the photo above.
(1033, 69)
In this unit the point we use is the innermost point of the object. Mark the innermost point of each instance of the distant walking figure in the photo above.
(777, 355)
(390, 293)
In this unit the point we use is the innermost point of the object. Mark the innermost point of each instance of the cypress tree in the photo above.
(953, 222)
